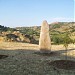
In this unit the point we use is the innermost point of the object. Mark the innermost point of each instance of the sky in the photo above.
(17, 13)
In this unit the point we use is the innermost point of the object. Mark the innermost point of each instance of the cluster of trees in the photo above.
(57, 37)
(62, 38)
(3, 28)
(29, 31)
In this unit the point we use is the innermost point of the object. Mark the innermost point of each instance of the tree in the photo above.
(66, 39)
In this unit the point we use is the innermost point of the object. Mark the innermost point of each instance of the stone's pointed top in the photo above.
(44, 26)
(44, 22)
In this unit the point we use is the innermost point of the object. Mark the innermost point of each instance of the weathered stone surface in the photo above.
(44, 41)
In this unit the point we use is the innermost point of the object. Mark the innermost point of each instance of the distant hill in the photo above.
(4, 29)
(57, 30)
(54, 27)
(32, 34)
(61, 26)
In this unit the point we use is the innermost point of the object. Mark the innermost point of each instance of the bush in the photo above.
(57, 39)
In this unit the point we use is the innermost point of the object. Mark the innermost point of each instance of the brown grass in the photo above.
(26, 59)
(16, 45)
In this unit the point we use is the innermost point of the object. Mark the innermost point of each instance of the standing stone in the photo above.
(44, 41)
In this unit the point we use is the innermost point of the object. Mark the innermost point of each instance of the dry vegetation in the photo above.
(25, 59)
(17, 45)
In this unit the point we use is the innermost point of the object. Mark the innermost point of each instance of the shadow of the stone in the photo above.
(46, 54)
(53, 53)
(61, 64)
(64, 51)
(67, 64)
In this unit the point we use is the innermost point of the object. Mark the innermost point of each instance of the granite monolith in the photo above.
(44, 41)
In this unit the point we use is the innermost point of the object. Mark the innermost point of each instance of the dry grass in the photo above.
(17, 45)
(25, 59)
(70, 51)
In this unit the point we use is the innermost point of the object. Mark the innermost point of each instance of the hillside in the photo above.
(56, 27)
(4, 29)
(31, 34)
(17, 58)
(53, 25)
(57, 30)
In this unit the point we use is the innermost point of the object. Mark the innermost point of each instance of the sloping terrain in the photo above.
(57, 30)
(32, 34)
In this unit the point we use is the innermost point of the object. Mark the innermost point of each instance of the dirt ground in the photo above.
(26, 59)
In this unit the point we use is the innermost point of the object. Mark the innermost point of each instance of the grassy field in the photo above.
(25, 59)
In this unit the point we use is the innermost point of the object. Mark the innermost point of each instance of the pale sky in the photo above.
(15, 13)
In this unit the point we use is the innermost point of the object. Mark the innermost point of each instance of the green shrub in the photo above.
(57, 39)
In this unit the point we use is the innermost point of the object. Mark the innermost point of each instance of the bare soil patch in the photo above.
(63, 64)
